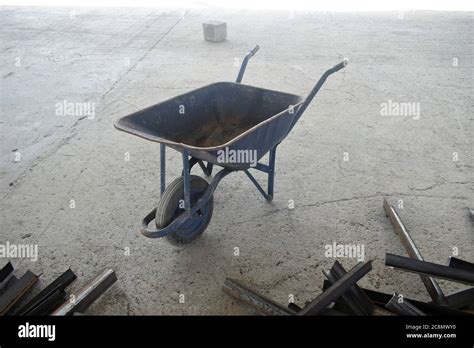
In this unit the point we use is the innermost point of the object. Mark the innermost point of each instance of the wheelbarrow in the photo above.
(224, 124)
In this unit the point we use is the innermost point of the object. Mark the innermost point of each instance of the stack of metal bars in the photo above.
(52, 300)
(342, 296)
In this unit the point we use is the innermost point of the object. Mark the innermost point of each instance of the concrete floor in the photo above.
(126, 59)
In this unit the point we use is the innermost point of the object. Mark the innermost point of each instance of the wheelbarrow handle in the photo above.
(341, 65)
(249, 55)
(317, 87)
(254, 50)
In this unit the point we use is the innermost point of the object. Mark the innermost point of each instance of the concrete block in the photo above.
(214, 31)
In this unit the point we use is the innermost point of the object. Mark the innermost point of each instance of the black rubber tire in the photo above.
(168, 208)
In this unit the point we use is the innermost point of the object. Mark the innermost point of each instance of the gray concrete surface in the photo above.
(126, 59)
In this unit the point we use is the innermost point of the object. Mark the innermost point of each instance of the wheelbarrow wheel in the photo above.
(171, 206)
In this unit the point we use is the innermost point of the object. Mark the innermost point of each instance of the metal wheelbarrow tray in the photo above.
(227, 124)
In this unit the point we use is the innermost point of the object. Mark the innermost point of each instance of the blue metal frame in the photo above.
(270, 170)
(249, 55)
(207, 169)
(175, 224)
(187, 184)
(188, 163)
(162, 167)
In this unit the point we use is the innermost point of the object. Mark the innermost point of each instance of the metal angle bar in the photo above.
(294, 307)
(352, 304)
(456, 300)
(461, 264)
(339, 304)
(328, 311)
(47, 306)
(358, 296)
(381, 311)
(461, 298)
(88, 294)
(431, 285)
(337, 289)
(331, 312)
(7, 284)
(429, 268)
(402, 306)
(59, 283)
(381, 299)
(6, 271)
(17, 291)
(262, 303)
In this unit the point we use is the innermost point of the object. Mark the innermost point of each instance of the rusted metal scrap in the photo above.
(18, 289)
(6, 271)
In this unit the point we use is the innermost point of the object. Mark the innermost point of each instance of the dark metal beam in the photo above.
(429, 269)
(51, 303)
(351, 304)
(88, 294)
(461, 298)
(261, 303)
(461, 264)
(6, 271)
(358, 298)
(401, 306)
(7, 284)
(380, 311)
(337, 289)
(57, 285)
(381, 299)
(17, 291)
(431, 284)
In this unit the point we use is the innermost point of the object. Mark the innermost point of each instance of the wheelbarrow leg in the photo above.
(186, 169)
(270, 170)
(192, 161)
(162, 168)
